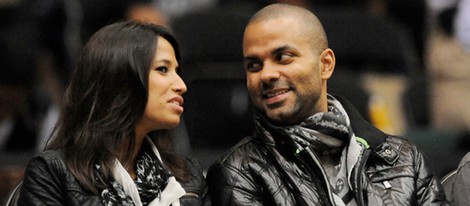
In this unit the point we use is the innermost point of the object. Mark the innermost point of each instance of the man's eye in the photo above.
(284, 58)
(252, 66)
(162, 69)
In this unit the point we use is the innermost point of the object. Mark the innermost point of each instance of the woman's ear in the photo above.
(327, 63)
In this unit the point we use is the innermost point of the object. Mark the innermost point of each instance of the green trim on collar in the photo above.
(362, 141)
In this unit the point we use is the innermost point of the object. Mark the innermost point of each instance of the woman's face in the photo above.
(165, 89)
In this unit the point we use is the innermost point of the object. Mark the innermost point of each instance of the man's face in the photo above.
(284, 75)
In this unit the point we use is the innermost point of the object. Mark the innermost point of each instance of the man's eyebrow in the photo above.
(274, 52)
(250, 58)
(280, 49)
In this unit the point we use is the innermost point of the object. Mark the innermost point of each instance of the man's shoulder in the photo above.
(397, 150)
(400, 142)
(245, 148)
(246, 151)
(240, 164)
(465, 161)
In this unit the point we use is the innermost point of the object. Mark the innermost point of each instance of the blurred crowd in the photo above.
(423, 90)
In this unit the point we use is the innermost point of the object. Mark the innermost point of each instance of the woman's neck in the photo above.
(139, 139)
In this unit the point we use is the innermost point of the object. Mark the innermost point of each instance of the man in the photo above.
(460, 188)
(310, 148)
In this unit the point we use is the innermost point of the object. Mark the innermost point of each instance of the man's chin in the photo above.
(286, 115)
(280, 117)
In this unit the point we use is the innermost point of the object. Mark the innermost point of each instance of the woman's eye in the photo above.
(162, 69)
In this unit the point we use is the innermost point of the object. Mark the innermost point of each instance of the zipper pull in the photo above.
(387, 184)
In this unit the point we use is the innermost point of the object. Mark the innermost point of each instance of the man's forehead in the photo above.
(286, 21)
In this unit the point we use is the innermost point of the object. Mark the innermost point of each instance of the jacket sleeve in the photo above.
(461, 187)
(41, 183)
(429, 189)
(230, 186)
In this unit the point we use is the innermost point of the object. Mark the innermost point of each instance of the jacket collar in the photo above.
(375, 138)
(361, 127)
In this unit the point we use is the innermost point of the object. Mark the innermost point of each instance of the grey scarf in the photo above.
(328, 133)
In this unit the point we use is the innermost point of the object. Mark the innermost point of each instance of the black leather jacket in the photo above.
(266, 171)
(47, 181)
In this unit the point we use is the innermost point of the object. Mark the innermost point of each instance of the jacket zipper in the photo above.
(325, 177)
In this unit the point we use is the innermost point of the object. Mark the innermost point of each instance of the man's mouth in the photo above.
(268, 95)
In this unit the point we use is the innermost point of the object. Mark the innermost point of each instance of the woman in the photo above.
(126, 86)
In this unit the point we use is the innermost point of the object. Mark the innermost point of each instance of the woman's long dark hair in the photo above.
(106, 98)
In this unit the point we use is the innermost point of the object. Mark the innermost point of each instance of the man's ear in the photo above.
(327, 63)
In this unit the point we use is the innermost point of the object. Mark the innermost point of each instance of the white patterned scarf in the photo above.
(153, 186)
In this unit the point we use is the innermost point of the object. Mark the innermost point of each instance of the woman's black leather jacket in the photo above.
(48, 182)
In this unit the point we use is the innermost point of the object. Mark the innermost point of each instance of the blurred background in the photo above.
(405, 64)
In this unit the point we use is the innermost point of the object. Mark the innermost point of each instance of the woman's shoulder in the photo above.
(192, 164)
(50, 158)
(195, 187)
(52, 154)
(47, 178)
(48, 164)
(195, 170)
(197, 181)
